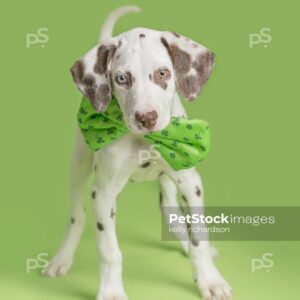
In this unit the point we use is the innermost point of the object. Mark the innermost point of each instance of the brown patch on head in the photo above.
(98, 94)
(161, 78)
(182, 60)
(87, 83)
(130, 80)
(198, 191)
(104, 55)
(188, 86)
(90, 93)
(192, 68)
(99, 97)
(88, 80)
(104, 93)
(77, 71)
(142, 35)
(203, 65)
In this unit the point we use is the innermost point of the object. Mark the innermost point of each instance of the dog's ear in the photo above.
(192, 63)
(92, 77)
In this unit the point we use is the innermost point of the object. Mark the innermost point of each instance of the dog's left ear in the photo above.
(91, 75)
(192, 63)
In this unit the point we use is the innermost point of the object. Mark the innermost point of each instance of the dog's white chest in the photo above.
(134, 155)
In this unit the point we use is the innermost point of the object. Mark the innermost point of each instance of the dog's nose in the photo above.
(147, 120)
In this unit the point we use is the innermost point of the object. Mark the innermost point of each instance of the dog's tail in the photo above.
(108, 26)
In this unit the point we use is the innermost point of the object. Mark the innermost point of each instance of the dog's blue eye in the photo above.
(122, 79)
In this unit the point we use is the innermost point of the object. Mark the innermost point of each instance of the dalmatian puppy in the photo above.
(144, 69)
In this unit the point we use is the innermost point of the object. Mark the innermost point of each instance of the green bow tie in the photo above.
(183, 143)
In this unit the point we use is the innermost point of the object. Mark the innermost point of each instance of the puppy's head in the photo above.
(143, 68)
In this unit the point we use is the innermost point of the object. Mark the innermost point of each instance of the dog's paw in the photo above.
(114, 295)
(58, 266)
(214, 287)
(217, 291)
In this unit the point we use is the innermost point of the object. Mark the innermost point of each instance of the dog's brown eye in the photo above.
(121, 79)
(164, 73)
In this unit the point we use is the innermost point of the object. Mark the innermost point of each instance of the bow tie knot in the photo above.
(182, 143)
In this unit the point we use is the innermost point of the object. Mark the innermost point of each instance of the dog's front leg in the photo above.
(81, 169)
(210, 282)
(107, 186)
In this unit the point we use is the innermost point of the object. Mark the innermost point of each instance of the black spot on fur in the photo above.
(188, 225)
(95, 167)
(198, 191)
(161, 173)
(94, 195)
(160, 198)
(100, 226)
(146, 164)
(112, 213)
(182, 209)
(72, 220)
(195, 243)
(142, 35)
(184, 198)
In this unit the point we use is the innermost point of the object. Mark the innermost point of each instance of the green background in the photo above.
(251, 102)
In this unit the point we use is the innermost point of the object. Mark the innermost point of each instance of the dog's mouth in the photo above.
(140, 130)
(137, 128)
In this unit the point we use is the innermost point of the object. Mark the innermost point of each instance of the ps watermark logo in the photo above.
(41, 37)
(265, 262)
(147, 155)
(38, 262)
(263, 37)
